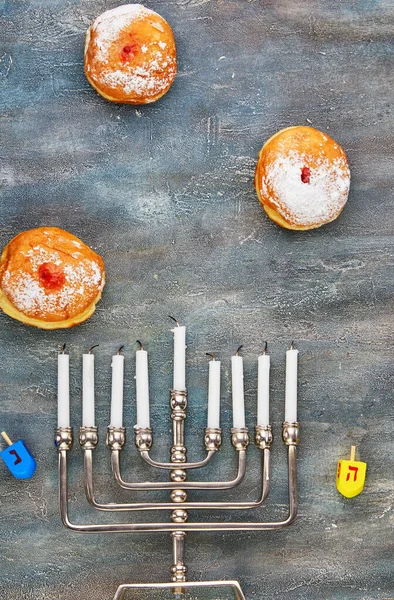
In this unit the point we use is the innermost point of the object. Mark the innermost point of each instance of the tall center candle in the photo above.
(237, 383)
(179, 381)
(291, 385)
(88, 390)
(63, 390)
(117, 390)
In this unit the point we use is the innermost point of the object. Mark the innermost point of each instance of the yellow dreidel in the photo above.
(351, 475)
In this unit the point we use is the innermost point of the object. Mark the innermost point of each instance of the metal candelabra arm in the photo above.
(110, 506)
(144, 438)
(212, 436)
(190, 485)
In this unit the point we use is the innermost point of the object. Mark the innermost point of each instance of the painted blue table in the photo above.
(165, 194)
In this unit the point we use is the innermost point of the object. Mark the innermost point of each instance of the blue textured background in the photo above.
(165, 194)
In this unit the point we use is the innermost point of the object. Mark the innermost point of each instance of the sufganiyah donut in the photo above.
(302, 178)
(130, 55)
(50, 279)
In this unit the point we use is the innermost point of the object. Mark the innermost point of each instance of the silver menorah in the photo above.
(180, 506)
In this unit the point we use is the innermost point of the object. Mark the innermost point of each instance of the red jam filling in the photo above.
(128, 52)
(51, 276)
(305, 175)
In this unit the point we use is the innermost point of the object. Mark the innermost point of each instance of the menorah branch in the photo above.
(110, 506)
(189, 485)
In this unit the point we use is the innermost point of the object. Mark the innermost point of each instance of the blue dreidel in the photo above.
(18, 459)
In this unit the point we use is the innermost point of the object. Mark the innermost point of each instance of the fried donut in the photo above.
(302, 178)
(130, 55)
(50, 279)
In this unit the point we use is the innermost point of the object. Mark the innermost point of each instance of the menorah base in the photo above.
(232, 585)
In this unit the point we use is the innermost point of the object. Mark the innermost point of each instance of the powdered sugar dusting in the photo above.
(39, 255)
(150, 75)
(83, 281)
(158, 26)
(109, 24)
(96, 272)
(138, 80)
(319, 201)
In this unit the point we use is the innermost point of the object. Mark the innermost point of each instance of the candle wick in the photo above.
(291, 345)
(95, 346)
(63, 348)
(240, 347)
(265, 348)
(120, 349)
(211, 355)
(140, 345)
(174, 319)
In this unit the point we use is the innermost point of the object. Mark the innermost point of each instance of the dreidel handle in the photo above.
(6, 438)
(353, 453)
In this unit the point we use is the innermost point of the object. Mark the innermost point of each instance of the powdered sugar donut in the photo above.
(130, 55)
(50, 279)
(302, 178)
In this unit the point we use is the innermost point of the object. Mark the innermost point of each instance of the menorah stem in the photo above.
(178, 569)
(178, 402)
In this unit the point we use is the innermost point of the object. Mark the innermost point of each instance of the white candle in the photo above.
(237, 381)
(88, 390)
(142, 388)
(291, 385)
(263, 390)
(179, 358)
(214, 394)
(63, 390)
(117, 391)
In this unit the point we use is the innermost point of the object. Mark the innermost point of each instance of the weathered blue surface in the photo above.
(165, 194)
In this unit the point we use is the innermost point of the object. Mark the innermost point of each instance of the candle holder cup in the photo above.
(178, 484)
